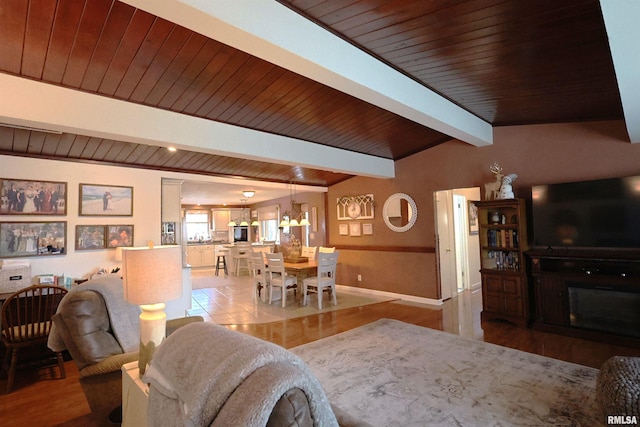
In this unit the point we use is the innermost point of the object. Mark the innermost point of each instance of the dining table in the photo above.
(301, 270)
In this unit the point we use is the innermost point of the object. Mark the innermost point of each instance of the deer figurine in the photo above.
(492, 189)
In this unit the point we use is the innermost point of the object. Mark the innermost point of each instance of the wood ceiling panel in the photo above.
(115, 27)
(13, 22)
(172, 46)
(214, 82)
(117, 153)
(175, 69)
(506, 61)
(21, 140)
(6, 139)
(64, 145)
(150, 47)
(63, 34)
(195, 66)
(90, 148)
(51, 143)
(36, 40)
(127, 49)
(36, 142)
(84, 42)
(104, 146)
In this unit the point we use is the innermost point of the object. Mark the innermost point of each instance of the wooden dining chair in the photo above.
(26, 322)
(278, 277)
(309, 252)
(258, 272)
(324, 279)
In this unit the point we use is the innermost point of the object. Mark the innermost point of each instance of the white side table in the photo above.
(135, 395)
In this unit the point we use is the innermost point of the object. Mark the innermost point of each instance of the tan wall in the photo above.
(538, 154)
(313, 200)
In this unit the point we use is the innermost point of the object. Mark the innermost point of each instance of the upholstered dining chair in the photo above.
(259, 273)
(26, 322)
(324, 279)
(309, 252)
(278, 277)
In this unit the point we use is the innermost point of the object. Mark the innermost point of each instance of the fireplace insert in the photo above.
(612, 309)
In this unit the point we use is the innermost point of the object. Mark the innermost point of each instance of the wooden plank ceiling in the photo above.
(507, 62)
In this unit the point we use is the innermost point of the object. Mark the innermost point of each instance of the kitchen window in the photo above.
(197, 225)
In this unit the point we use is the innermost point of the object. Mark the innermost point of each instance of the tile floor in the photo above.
(227, 300)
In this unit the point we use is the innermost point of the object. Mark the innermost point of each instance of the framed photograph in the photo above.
(26, 197)
(473, 218)
(354, 229)
(119, 235)
(90, 237)
(343, 230)
(367, 229)
(32, 238)
(106, 200)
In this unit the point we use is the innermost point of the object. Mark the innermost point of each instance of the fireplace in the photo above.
(610, 309)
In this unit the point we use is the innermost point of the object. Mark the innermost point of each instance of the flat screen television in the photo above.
(602, 213)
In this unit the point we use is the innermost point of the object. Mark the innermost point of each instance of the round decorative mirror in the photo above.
(400, 212)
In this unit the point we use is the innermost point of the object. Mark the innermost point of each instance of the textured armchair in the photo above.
(101, 332)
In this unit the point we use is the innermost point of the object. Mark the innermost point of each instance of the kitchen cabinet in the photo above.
(201, 255)
(221, 219)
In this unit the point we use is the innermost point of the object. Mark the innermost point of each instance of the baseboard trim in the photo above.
(411, 298)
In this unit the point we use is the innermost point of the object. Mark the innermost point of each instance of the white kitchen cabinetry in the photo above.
(201, 255)
(221, 219)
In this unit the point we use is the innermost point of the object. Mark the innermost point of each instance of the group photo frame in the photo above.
(89, 237)
(105, 200)
(32, 238)
(30, 197)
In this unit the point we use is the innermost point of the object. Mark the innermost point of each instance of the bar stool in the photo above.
(240, 253)
(221, 262)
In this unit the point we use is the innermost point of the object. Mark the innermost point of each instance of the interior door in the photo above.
(445, 242)
(460, 225)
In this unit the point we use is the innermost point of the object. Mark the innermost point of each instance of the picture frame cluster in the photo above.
(20, 197)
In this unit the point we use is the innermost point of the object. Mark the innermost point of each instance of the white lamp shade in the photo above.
(305, 221)
(152, 274)
(293, 223)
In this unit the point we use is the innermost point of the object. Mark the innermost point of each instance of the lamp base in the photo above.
(153, 329)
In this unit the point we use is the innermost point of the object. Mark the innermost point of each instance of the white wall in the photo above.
(146, 209)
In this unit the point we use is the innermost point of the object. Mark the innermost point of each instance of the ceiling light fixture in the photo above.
(242, 220)
(289, 218)
(248, 193)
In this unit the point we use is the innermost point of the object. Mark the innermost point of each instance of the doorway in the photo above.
(458, 253)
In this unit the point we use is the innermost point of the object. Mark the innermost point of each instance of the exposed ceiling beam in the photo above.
(621, 21)
(31, 103)
(271, 31)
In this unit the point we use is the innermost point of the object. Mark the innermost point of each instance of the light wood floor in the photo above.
(41, 399)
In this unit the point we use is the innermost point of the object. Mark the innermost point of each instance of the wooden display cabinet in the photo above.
(503, 240)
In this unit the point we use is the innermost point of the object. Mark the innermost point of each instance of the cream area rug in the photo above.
(390, 373)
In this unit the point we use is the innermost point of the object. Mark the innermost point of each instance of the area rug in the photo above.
(228, 300)
(390, 373)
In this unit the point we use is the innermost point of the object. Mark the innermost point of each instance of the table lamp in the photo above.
(151, 276)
